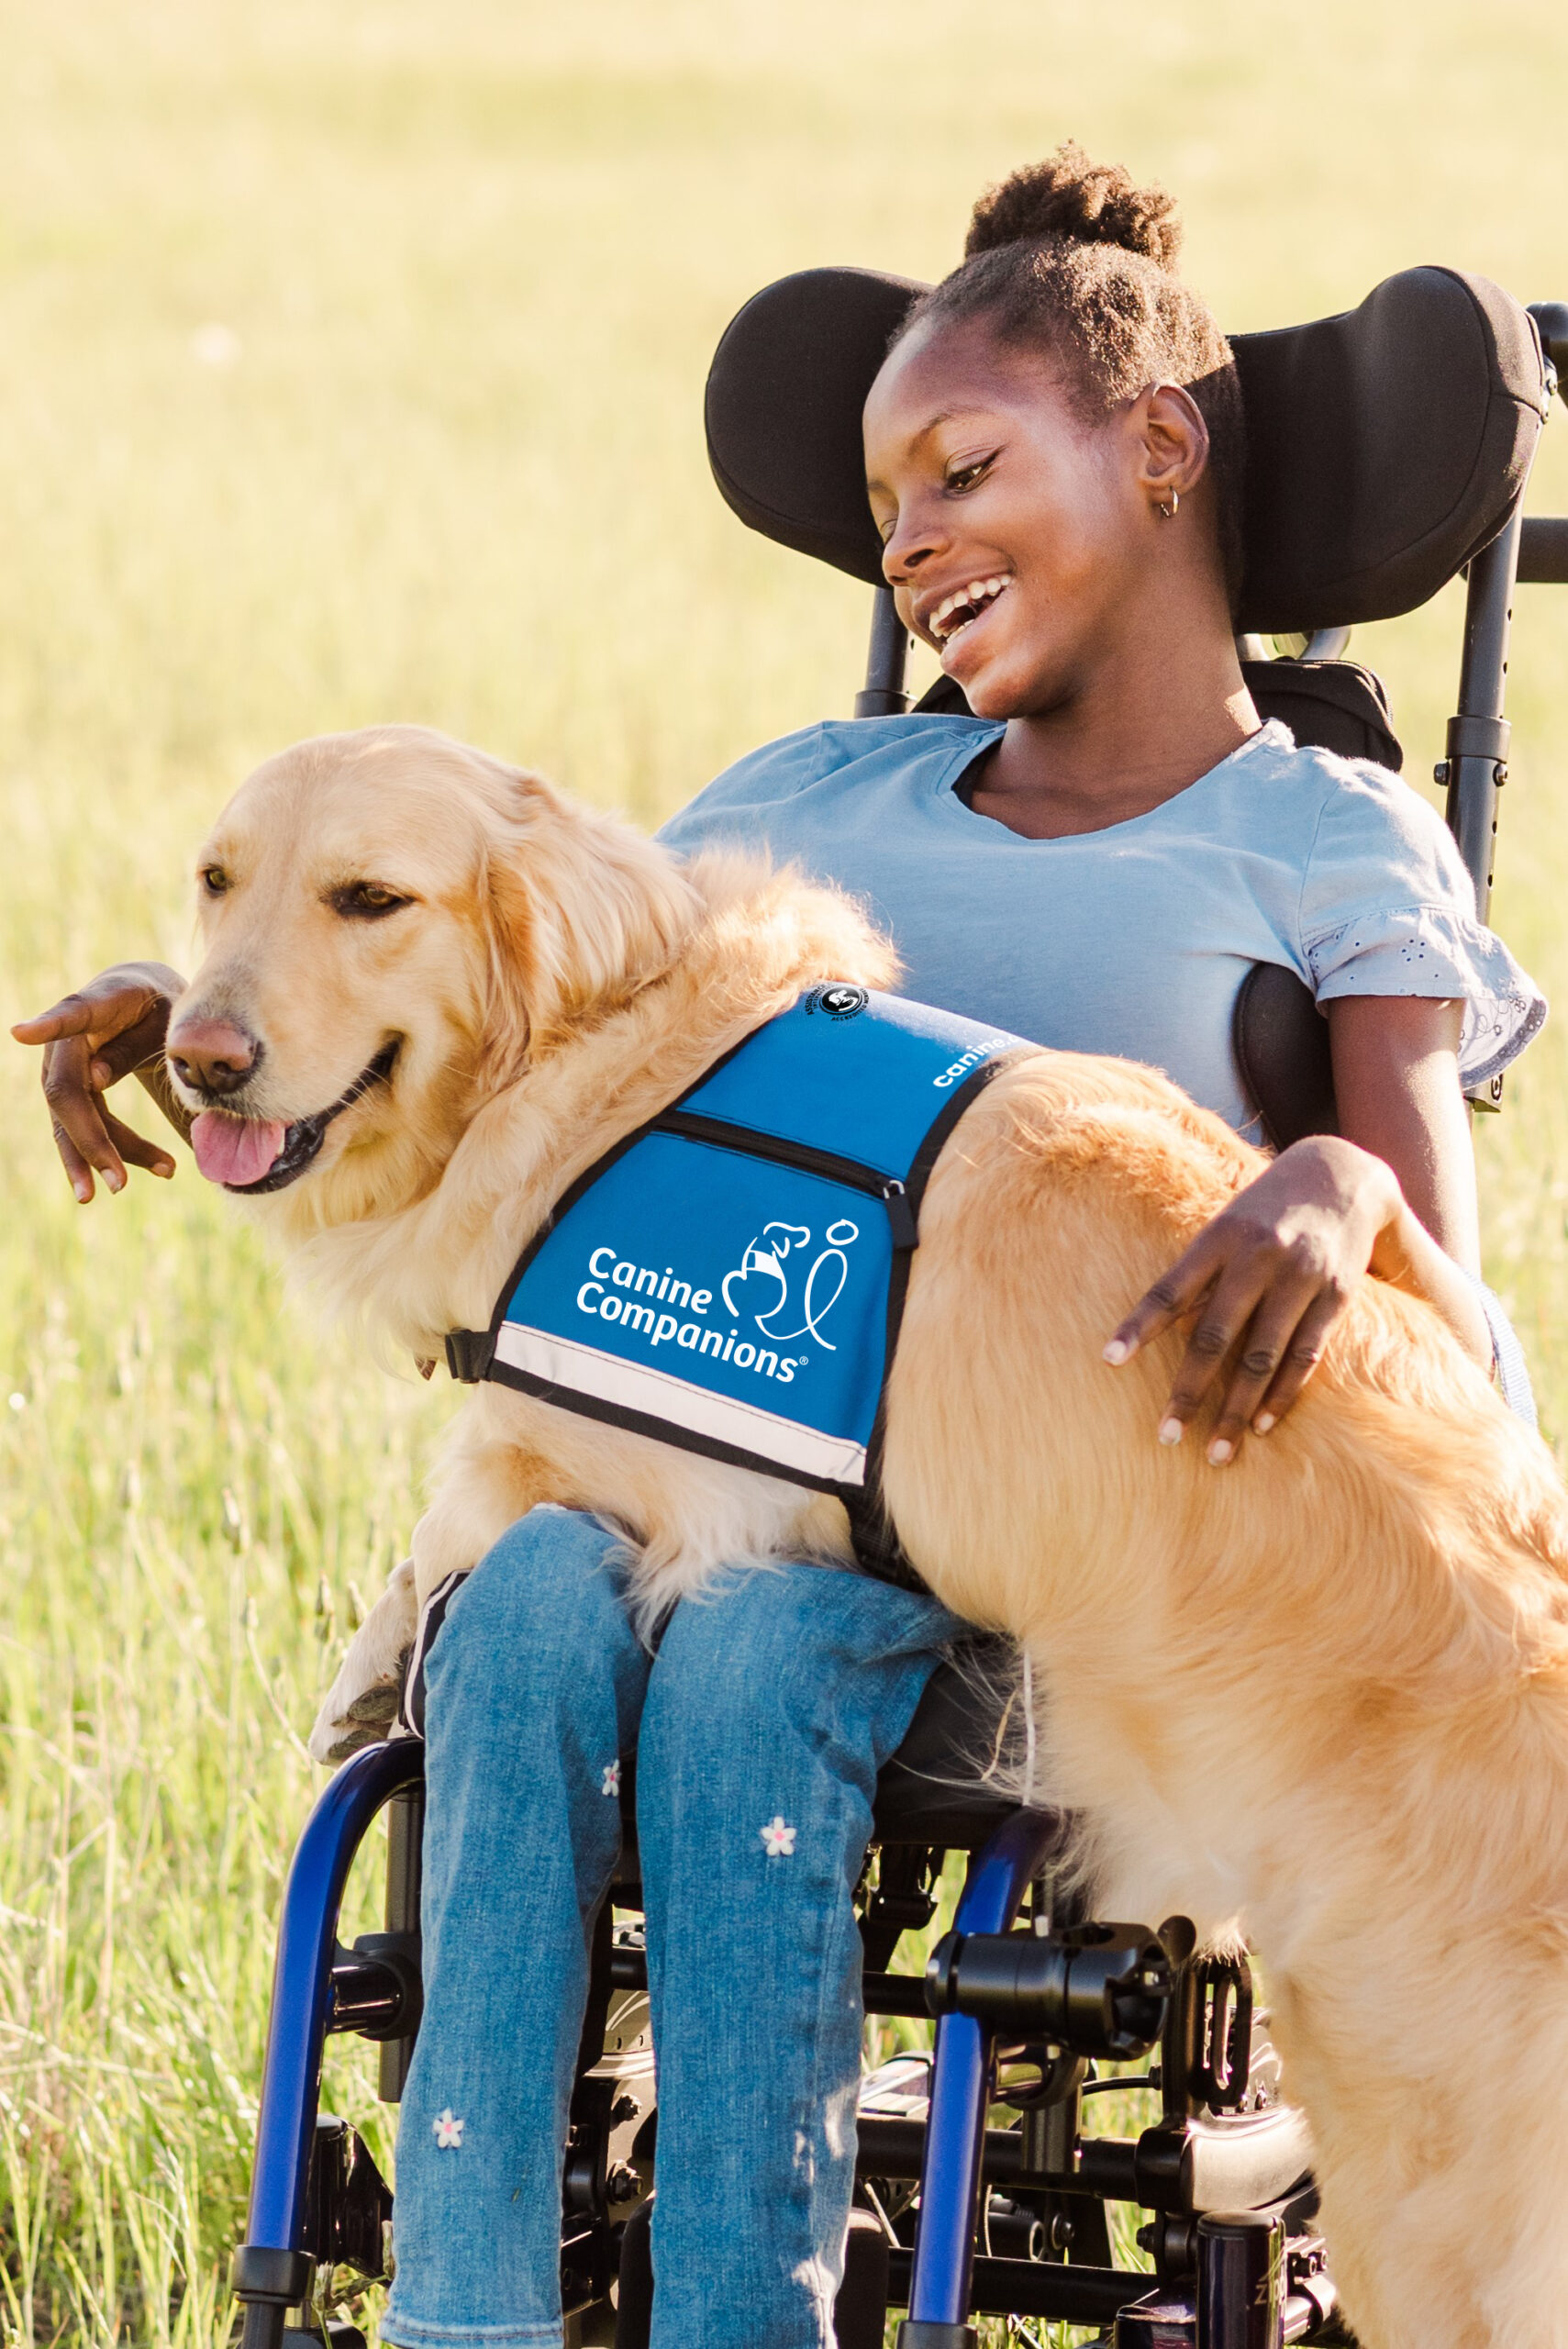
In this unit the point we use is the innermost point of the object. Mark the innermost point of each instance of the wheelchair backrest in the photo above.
(1386, 446)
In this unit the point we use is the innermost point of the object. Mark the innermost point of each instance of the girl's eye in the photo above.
(215, 880)
(964, 476)
(367, 900)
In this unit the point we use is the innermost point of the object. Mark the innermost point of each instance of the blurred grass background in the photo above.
(350, 368)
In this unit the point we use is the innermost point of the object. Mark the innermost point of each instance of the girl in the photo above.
(1092, 859)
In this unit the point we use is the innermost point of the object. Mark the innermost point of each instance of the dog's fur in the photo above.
(1323, 1694)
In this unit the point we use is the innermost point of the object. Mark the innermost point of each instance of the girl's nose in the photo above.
(916, 536)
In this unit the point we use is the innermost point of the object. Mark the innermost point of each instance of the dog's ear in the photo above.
(581, 913)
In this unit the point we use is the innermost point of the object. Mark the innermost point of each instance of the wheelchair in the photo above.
(1388, 450)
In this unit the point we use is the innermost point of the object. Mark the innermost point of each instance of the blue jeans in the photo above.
(759, 1729)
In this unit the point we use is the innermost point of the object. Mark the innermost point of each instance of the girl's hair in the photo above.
(1070, 256)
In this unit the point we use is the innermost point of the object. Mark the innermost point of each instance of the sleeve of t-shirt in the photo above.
(1387, 909)
(759, 781)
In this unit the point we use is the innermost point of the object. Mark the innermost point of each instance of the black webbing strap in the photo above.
(874, 1539)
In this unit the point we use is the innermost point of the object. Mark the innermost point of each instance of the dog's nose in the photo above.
(213, 1057)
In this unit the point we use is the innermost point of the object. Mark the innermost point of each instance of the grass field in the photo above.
(350, 367)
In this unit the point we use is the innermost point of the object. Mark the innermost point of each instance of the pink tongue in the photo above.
(235, 1150)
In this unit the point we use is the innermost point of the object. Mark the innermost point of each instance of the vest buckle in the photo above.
(469, 1355)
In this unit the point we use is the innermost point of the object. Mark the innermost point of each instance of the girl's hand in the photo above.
(1268, 1277)
(113, 1026)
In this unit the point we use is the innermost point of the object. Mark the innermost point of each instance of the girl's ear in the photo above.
(1174, 442)
(580, 913)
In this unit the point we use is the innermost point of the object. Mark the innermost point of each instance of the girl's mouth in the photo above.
(964, 606)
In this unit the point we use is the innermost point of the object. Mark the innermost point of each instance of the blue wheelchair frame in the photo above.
(272, 2271)
(319, 1988)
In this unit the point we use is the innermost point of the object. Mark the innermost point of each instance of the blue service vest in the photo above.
(730, 1278)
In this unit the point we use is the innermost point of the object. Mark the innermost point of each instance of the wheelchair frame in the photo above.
(1237, 2263)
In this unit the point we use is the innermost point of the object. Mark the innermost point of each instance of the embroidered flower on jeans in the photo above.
(448, 2130)
(778, 1841)
(611, 1784)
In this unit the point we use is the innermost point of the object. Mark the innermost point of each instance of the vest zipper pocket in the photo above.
(806, 1157)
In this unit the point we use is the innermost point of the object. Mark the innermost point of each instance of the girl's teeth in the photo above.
(978, 592)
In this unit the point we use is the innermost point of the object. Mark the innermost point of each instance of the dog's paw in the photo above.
(366, 1720)
(361, 1704)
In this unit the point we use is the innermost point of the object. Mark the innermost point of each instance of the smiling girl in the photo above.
(1094, 859)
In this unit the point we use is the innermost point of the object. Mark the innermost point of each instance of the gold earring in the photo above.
(1170, 511)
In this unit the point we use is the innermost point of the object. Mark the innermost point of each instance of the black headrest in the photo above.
(1385, 446)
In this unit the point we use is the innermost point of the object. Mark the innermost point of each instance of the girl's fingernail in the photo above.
(1117, 1351)
(101, 1074)
(165, 1167)
(1170, 1430)
(1219, 1452)
(114, 1178)
(82, 1193)
(1263, 1423)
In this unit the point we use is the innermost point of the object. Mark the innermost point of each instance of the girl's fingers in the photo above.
(1301, 1358)
(1270, 1341)
(132, 1048)
(78, 1174)
(136, 1149)
(72, 1015)
(77, 1114)
(1175, 1293)
(110, 1007)
(1216, 1331)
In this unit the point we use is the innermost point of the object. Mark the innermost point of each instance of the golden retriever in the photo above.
(1323, 1695)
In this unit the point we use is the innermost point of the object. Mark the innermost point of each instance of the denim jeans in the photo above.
(759, 1728)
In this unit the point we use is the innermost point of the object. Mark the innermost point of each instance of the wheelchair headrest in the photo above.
(1385, 446)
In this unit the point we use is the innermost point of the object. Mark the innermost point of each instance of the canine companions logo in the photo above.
(821, 1290)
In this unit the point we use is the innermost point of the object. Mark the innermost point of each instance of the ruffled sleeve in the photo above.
(1508, 1365)
(1387, 909)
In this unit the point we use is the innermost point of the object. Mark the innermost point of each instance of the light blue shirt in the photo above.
(1133, 940)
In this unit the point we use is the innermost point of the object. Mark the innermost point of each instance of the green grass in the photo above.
(470, 261)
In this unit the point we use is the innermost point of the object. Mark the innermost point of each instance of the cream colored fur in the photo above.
(1323, 1693)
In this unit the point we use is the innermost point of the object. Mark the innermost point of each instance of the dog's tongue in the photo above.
(237, 1151)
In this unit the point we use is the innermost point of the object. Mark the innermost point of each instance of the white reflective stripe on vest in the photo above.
(637, 1386)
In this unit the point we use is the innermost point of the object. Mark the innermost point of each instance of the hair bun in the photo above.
(1069, 197)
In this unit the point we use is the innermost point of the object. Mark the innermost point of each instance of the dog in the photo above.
(1321, 1700)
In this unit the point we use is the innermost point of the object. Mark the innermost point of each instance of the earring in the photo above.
(1170, 511)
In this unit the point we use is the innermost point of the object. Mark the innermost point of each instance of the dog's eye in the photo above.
(215, 880)
(366, 900)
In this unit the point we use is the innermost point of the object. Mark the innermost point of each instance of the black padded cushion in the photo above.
(1386, 446)
(935, 1789)
(1338, 705)
(1281, 1049)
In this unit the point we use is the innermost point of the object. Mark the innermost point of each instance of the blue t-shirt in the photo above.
(1133, 940)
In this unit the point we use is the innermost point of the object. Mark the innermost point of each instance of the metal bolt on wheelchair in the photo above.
(1388, 452)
